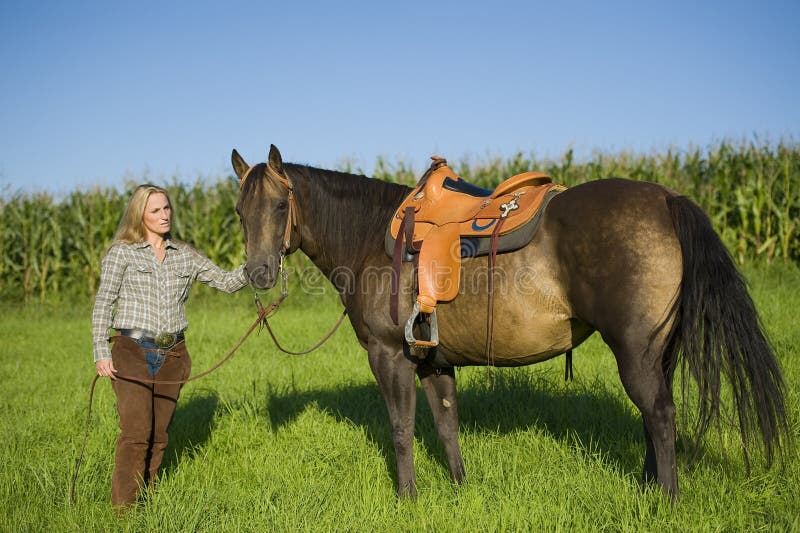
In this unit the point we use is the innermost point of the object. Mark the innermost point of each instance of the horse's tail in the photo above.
(719, 332)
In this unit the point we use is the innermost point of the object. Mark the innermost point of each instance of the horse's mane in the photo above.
(351, 211)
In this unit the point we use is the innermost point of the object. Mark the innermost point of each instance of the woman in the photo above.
(144, 283)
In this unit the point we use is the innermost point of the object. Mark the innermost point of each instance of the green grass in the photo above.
(272, 442)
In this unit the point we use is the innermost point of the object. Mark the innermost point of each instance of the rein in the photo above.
(309, 350)
(264, 315)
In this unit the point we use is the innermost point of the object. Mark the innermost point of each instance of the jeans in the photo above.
(154, 359)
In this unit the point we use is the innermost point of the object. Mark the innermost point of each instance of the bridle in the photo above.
(291, 215)
(291, 221)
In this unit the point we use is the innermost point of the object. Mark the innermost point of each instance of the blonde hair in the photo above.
(131, 226)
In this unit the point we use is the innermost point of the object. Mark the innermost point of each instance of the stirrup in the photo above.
(414, 343)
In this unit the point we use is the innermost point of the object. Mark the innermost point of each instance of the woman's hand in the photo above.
(105, 368)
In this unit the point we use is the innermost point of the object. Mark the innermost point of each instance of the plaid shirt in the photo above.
(149, 295)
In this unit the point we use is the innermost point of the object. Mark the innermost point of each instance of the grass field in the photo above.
(278, 443)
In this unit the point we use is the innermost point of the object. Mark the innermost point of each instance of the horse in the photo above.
(634, 261)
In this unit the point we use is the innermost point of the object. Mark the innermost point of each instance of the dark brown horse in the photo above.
(632, 260)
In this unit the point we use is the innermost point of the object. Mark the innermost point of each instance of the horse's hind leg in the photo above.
(440, 390)
(645, 382)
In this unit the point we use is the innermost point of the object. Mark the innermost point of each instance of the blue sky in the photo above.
(96, 93)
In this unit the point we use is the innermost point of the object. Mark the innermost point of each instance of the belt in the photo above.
(162, 340)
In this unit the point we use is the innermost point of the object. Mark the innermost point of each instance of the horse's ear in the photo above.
(275, 160)
(239, 166)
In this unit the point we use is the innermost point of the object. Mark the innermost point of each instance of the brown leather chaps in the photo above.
(145, 413)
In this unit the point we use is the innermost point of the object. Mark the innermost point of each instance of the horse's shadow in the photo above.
(586, 416)
(191, 426)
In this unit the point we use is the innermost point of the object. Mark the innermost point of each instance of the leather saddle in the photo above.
(445, 219)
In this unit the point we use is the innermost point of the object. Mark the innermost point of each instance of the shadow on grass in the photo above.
(191, 426)
(587, 416)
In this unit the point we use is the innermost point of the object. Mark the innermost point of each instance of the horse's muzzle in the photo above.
(262, 277)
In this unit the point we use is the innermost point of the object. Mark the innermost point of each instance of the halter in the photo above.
(291, 217)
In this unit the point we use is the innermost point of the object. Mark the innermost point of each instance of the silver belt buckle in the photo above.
(165, 340)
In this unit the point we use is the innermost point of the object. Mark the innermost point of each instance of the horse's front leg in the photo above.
(395, 375)
(440, 389)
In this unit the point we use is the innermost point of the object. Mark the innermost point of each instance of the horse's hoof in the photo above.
(407, 492)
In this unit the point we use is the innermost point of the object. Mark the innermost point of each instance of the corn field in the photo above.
(51, 248)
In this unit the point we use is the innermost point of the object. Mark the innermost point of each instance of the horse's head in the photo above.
(267, 211)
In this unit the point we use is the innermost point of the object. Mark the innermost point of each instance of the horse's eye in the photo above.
(282, 204)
